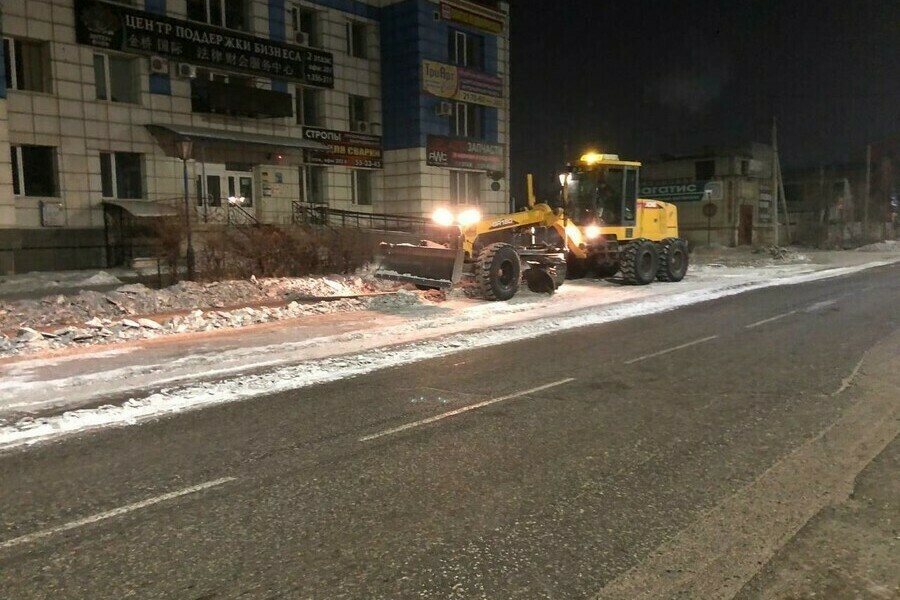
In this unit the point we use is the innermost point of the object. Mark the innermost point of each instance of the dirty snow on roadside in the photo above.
(134, 311)
(471, 326)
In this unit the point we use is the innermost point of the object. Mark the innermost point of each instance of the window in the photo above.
(356, 39)
(306, 22)
(121, 175)
(359, 114)
(469, 120)
(212, 196)
(362, 187)
(115, 78)
(34, 170)
(225, 13)
(465, 187)
(27, 65)
(466, 49)
(312, 185)
(704, 170)
(207, 75)
(308, 106)
(241, 186)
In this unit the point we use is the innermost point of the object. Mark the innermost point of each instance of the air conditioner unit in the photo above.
(187, 71)
(363, 126)
(159, 65)
(444, 109)
(302, 38)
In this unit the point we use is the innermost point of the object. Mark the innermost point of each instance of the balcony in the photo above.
(239, 100)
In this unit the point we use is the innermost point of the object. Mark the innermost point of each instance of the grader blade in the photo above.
(426, 265)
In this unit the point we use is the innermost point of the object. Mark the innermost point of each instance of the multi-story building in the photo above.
(393, 106)
(724, 196)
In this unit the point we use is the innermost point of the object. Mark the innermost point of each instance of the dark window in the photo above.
(704, 170)
(115, 78)
(362, 188)
(356, 39)
(224, 13)
(469, 121)
(107, 182)
(359, 113)
(631, 187)
(306, 21)
(465, 187)
(17, 185)
(312, 185)
(308, 109)
(465, 49)
(27, 65)
(34, 170)
(129, 176)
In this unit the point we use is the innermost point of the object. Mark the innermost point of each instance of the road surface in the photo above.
(670, 455)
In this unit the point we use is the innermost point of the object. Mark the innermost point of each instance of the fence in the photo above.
(304, 213)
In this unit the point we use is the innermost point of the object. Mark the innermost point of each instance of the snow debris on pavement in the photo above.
(134, 311)
(885, 246)
(311, 372)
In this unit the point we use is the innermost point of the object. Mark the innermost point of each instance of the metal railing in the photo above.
(305, 213)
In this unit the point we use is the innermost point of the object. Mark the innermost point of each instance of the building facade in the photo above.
(724, 196)
(365, 105)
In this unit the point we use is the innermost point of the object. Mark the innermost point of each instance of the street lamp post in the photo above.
(184, 148)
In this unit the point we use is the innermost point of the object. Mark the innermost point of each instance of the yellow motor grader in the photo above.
(600, 227)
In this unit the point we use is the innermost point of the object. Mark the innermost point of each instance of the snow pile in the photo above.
(91, 317)
(29, 282)
(885, 246)
(704, 257)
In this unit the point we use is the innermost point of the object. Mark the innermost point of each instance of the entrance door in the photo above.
(240, 188)
(745, 229)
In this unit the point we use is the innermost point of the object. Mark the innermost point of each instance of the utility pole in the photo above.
(774, 196)
(868, 190)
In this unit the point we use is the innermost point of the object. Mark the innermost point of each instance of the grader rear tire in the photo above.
(640, 262)
(498, 272)
(673, 260)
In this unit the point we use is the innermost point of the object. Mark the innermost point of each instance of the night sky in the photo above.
(643, 78)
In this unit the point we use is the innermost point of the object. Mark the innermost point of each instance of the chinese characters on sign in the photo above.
(456, 153)
(457, 83)
(345, 148)
(115, 27)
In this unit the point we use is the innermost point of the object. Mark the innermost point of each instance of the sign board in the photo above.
(710, 210)
(693, 191)
(471, 18)
(456, 153)
(345, 148)
(116, 27)
(457, 83)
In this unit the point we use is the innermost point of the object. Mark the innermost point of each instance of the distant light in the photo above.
(592, 158)
(564, 178)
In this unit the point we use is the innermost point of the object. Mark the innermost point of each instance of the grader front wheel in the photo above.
(640, 262)
(498, 271)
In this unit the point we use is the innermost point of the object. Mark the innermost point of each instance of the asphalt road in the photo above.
(537, 469)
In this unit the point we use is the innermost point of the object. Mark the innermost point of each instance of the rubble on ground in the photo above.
(885, 246)
(136, 312)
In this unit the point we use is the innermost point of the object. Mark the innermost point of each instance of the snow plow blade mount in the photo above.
(427, 265)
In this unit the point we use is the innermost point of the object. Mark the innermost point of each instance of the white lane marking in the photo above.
(819, 305)
(667, 350)
(462, 410)
(770, 319)
(31, 537)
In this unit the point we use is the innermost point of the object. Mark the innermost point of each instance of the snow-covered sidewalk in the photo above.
(46, 396)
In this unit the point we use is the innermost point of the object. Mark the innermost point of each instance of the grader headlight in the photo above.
(468, 217)
(443, 217)
(591, 232)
